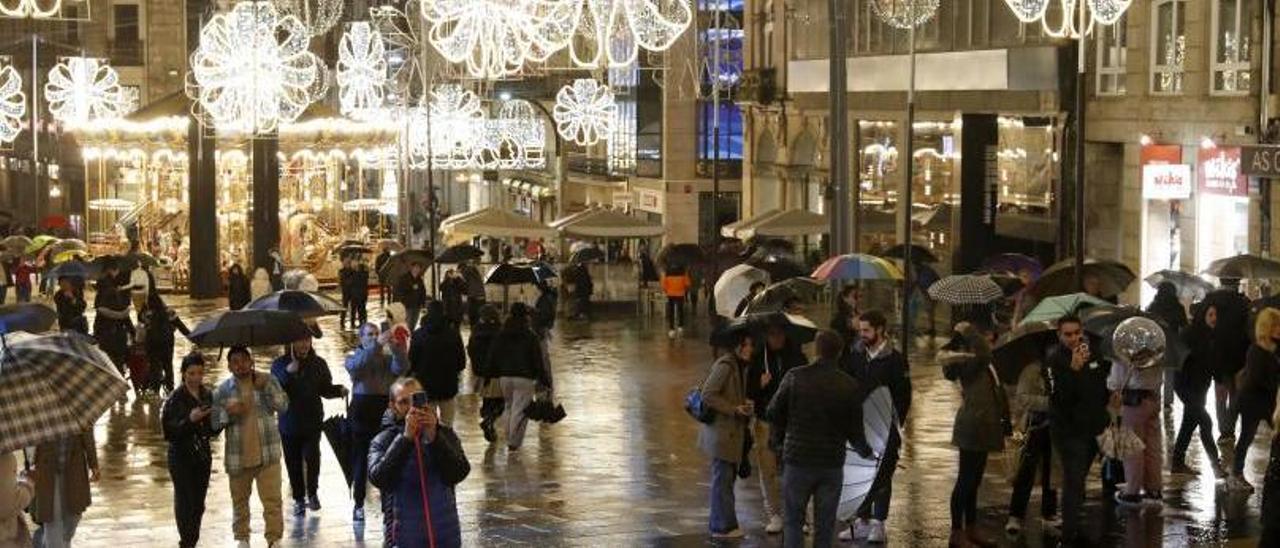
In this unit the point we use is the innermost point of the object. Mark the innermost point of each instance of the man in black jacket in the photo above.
(412, 293)
(436, 358)
(1077, 414)
(767, 369)
(816, 411)
(879, 364)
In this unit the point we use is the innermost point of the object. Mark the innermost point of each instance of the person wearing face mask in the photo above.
(1191, 384)
(1256, 391)
(373, 367)
(188, 428)
(305, 377)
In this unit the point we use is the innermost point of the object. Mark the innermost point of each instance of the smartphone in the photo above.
(420, 400)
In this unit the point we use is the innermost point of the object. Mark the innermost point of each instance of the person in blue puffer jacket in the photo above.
(400, 469)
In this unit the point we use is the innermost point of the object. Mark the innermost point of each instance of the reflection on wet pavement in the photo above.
(622, 469)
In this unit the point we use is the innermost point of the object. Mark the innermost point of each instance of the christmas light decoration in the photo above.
(495, 38)
(522, 135)
(584, 111)
(905, 14)
(13, 103)
(362, 71)
(318, 15)
(80, 89)
(1106, 12)
(253, 71)
(34, 9)
(613, 31)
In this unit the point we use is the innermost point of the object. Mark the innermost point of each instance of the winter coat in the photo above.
(1078, 399)
(544, 310)
(1256, 391)
(436, 357)
(451, 291)
(111, 325)
(161, 321)
(816, 411)
(71, 311)
(14, 498)
(410, 290)
(359, 288)
(723, 391)
(516, 352)
(81, 456)
(889, 369)
(238, 294)
(478, 345)
(984, 406)
(1197, 370)
(304, 389)
(1231, 335)
(188, 441)
(475, 282)
(778, 363)
(393, 469)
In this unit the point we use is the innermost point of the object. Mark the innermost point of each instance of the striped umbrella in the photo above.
(53, 386)
(857, 266)
(966, 289)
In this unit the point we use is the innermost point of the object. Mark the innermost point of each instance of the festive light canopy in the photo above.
(584, 111)
(253, 70)
(1106, 12)
(495, 38)
(80, 89)
(318, 15)
(13, 103)
(523, 137)
(453, 132)
(613, 31)
(362, 71)
(36, 9)
(905, 14)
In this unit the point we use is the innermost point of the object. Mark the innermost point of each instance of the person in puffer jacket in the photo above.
(413, 454)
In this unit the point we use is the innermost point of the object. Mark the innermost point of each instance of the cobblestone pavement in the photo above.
(622, 469)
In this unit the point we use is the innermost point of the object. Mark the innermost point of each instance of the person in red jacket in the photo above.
(675, 285)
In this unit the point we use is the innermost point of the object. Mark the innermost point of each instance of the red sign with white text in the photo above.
(1220, 172)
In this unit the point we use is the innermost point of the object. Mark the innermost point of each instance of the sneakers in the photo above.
(1013, 527)
(314, 503)
(357, 515)
(299, 508)
(775, 525)
(875, 532)
(736, 533)
(1153, 498)
(1124, 499)
(242, 544)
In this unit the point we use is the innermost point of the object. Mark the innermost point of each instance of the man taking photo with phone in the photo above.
(1077, 414)
(416, 462)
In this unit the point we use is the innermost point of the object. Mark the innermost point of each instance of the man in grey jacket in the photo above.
(816, 411)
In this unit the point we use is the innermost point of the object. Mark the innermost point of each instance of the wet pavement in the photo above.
(622, 469)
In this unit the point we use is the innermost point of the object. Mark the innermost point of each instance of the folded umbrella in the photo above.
(1190, 287)
(1244, 266)
(339, 430)
(734, 285)
(250, 328)
(29, 317)
(860, 473)
(544, 410)
(305, 304)
(401, 262)
(460, 253)
(53, 386)
(966, 289)
(1052, 308)
(857, 266)
(775, 297)
(1060, 279)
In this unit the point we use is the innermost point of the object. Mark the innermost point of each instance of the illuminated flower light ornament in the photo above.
(362, 71)
(614, 31)
(317, 15)
(34, 9)
(495, 38)
(80, 89)
(905, 14)
(253, 70)
(584, 111)
(523, 136)
(13, 103)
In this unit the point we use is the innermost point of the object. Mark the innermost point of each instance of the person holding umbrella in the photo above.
(159, 321)
(188, 428)
(452, 288)
(304, 377)
(412, 293)
(436, 358)
(69, 302)
(777, 355)
(111, 325)
(544, 309)
(373, 367)
(980, 426)
(244, 405)
(676, 284)
(846, 312)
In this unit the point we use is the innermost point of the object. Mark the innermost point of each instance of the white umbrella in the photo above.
(734, 285)
(860, 473)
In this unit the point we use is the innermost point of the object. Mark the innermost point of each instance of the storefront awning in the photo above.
(608, 223)
(793, 222)
(495, 222)
(731, 230)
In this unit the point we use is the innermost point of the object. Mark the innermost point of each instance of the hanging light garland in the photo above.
(522, 135)
(905, 14)
(495, 38)
(584, 111)
(80, 89)
(614, 31)
(318, 15)
(30, 8)
(1106, 12)
(13, 103)
(453, 132)
(362, 71)
(253, 70)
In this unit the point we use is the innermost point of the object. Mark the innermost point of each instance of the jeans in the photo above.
(724, 517)
(268, 480)
(69, 524)
(1224, 391)
(518, 393)
(364, 412)
(1194, 416)
(1076, 453)
(1248, 430)
(190, 485)
(675, 312)
(823, 485)
(1037, 453)
(877, 504)
(302, 452)
(1143, 471)
(24, 293)
(964, 496)
(766, 469)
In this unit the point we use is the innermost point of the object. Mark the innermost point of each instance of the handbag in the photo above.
(697, 408)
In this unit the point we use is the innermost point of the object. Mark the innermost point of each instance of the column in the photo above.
(202, 229)
(266, 199)
(979, 181)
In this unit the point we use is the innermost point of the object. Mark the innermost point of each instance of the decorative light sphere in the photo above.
(1139, 342)
(584, 111)
(905, 14)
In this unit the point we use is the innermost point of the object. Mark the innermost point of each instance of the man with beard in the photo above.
(1077, 414)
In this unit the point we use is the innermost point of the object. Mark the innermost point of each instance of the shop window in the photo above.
(730, 143)
(1169, 46)
(1231, 46)
(1113, 42)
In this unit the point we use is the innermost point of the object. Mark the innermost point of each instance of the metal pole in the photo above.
(839, 130)
(1079, 156)
(906, 200)
(35, 116)
(715, 130)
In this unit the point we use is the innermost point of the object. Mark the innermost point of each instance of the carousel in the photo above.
(339, 182)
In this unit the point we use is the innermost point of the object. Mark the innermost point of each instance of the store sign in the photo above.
(1161, 154)
(1260, 161)
(1220, 172)
(649, 200)
(1166, 181)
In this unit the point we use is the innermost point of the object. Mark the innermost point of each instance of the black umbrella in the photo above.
(518, 273)
(1245, 265)
(919, 253)
(76, 269)
(1021, 346)
(1102, 322)
(587, 255)
(305, 304)
(352, 248)
(339, 431)
(767, 246)
(1060, 279)
(460, 253)
(780, 267)
(1009, 283)
(683, 255)
(799, 329)
(1190, 287)
(776, 296)
(401, 262)
(29, 317)
(250, 328)
(134, 260)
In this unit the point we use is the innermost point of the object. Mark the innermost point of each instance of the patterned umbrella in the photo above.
(966, 289)
(38, 373)
(860, 473)
(1190, 287)
(857, 266)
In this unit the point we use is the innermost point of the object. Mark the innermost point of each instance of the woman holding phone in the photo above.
(187, 428)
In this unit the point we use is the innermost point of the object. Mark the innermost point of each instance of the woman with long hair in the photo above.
(980, 424)
(516, 359)
(1191, 384)
(1256, 390)
(187, 428)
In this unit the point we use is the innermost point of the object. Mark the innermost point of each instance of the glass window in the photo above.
(1112, 57)
(1169, 45)
(730, 131)
(1231, 46)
